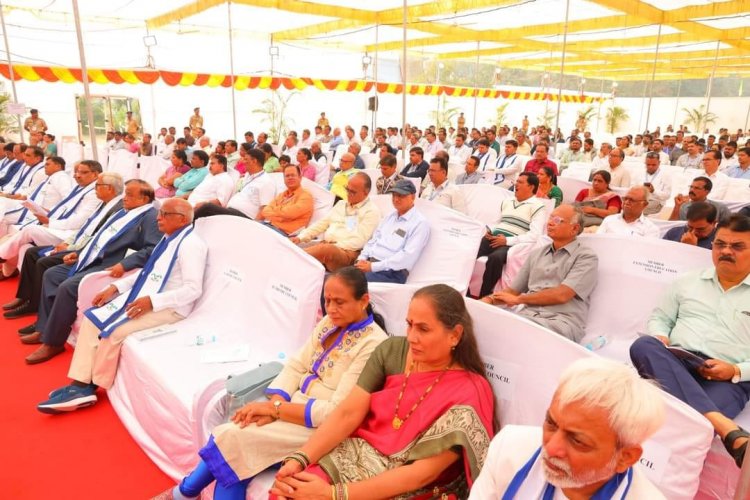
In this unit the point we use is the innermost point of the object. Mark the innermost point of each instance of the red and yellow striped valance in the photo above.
(173, 78)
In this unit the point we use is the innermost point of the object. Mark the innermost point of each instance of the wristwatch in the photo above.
(277, 406)
(737, 375)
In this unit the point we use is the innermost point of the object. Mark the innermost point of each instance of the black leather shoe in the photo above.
(26, 330)
(13, 304)
(18, 312)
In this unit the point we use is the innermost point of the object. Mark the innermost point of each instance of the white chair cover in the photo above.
(483, 201)
(153, 167)
(124, 163)
(162, 388)
(370, 160)
(571, 186)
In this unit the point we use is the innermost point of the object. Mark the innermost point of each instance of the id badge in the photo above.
(351, 223)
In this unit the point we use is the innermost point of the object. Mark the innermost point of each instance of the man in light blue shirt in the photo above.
(707, 313)
(398, 241)
(742, 169)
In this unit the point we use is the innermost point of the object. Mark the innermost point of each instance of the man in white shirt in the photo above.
(233, 155)
(217, 187)
(658, 147)
(620, 175)
(135, 303)
(68, 211)
(631, 221)
(166, 151)
(508, 165)
(459, 152)
(720, 181)
(256, 187)
(729, 156)
(601, 406)
(433, 145)
(470, 175)
(657, 181)
(440, 189)
(601, 161)
(345, 229)
(486, 155)
(307, 139)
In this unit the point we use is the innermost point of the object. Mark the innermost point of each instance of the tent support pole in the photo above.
(562, 65)
(677, 103)
(711, 84)
(11, 73)
(85, 78)
(653, 77)
(476, 88)
(375, 77)
(231, 67)
(403, 77)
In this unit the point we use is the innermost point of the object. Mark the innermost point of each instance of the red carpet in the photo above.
(81, 455)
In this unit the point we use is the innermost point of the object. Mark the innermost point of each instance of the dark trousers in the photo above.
(32, 271)
(654, 361)
(496, 258)
(59, 303)
(387, 276)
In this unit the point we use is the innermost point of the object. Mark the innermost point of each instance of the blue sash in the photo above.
(606, 492)
(341, 332)
(83, 259)
(108, 325)
(24, 210)
(67, 212)
(30, 172)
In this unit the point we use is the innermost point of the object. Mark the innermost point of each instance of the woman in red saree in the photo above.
(416, 425)
(598, 202)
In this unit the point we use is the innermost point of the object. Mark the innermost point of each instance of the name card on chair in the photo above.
(284, 294)
(654, 460)
(233, 275)
(502, 375)
(653, 268)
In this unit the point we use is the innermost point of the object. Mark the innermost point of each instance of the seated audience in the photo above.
(62, 220)
(306, 166)
(658, 182)
(459, 151)
(700, 229)
(190, 180)
(341, 178)
(470, 175)
(631, 221)
(507, 165)
(163, 292)
(38, 259)
(355, 148)
(705, 312)
(601, 160)
(540, 160)
(292, 209)
(598, 202)
(692, 158)
(719, 181)
(699, 190)
(572, 154)
(620, 177)
(548, 186)
(132, 228)
(443, 417)
(345, 229)
(261, 433)
(398, 240)
(588, 445)
(487, 156)
(389, 175)
(177, 167)
(440, 189)
(217, 187)
(556, 281)
(416, 167)
(521, 221)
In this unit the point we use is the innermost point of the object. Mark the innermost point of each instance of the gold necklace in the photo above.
(398, 421)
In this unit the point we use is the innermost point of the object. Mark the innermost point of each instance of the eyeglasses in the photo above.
(82, 172)
(734, 247)
(163, 213)
(101, 184)
(628, 199)
(652, 156)
(556, 219)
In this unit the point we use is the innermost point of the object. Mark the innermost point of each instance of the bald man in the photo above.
(163, 292)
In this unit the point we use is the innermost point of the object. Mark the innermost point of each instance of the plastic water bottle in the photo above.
(596, 344)
(282, 355)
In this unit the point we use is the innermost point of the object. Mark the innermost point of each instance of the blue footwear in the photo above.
(59, 390)
(69, 398)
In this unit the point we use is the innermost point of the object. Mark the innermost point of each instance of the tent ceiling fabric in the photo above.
(613, 39)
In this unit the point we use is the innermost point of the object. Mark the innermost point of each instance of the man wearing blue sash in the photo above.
(13, 165)
(591, 441)
(164, 292)
(134, 227)
(38, 259)
(26, 185)
(62, 220)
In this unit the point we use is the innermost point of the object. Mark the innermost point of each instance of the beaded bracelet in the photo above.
(339, 491)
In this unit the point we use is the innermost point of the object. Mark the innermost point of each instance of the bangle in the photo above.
(333, 492)
(340, 491)
(298, 456)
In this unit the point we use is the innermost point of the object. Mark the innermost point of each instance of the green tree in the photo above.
(699, 118)
(615, 116)
(274, 112)
(444, 117)
(584, 117)
(502, 114)
(8, 122)
(547, 118)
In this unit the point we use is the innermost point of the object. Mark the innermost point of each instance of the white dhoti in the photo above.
(96, 360)
(12, 245)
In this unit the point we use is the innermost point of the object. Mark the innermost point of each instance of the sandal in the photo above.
(738, 454)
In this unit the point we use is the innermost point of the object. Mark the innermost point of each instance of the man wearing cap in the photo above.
(34, 124)
(398, 241)
(133, 126)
